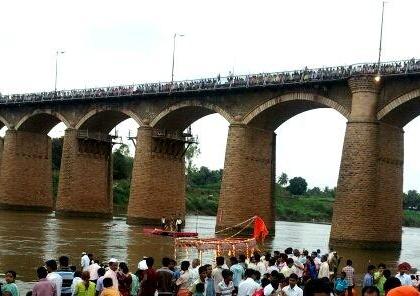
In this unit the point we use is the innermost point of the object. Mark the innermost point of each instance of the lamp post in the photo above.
(56, 69)
(378, 76)
(173, 56)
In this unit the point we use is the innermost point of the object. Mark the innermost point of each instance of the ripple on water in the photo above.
(28, 239)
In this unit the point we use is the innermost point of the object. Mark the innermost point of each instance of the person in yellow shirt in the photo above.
(108, 289)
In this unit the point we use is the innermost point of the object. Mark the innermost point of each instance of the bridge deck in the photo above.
(305, 76)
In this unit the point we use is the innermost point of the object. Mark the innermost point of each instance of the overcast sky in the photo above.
(122, 42)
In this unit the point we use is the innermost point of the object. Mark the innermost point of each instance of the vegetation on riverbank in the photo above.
(293, 200)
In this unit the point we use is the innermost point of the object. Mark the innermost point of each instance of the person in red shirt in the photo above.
(149, 282)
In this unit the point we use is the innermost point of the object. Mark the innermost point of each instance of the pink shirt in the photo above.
(44, 288)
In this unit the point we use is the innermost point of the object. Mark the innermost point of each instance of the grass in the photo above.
(411, 218)
(304, 208)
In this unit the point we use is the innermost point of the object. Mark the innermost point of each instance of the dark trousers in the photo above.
(350, 290)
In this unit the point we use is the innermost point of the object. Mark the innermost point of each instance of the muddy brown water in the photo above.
(29, 239)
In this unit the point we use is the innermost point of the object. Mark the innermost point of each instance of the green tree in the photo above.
(297, 186)
(411, 200)
(283, 179)
(315, 191)
(122, 163)
(204, 176)
(192, 152)
(121, 192)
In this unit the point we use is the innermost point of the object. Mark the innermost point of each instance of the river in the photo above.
(29, 239)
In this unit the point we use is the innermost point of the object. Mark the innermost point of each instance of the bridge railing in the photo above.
(185, 136)
(91, 135)
(229, 82)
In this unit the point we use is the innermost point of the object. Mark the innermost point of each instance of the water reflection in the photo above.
(28, 239)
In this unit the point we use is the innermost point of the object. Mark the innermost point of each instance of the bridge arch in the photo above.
(272, 113)
(4, 123)
(402, 109)
(41, 121)
(179, 116)
(104, 120)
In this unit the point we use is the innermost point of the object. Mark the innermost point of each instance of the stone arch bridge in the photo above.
(368, 206)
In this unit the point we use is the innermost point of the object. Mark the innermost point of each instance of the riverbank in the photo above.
(308, 208)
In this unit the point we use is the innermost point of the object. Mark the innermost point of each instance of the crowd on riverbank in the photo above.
(291, 273)
(261, 79)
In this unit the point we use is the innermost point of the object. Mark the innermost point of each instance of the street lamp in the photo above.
(173, 56)
(378, 76)
(56, 68)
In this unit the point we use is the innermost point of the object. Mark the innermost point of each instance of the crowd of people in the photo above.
(231, 81)
(291, 273)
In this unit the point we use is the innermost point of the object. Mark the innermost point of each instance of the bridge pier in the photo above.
(248, 178)
(158, 179)
(368, 205)
(85, 185)
(26, 172)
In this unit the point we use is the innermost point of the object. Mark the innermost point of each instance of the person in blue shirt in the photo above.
(209, 283)
(341, 284)
(10, 286)
(238, 272)
(67, 274)
(368, 278)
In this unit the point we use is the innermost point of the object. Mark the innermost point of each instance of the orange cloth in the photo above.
(183, 292)
(404, 291)
(109, 292)
(260, 230)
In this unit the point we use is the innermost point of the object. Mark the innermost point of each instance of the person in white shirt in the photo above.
(112, 272)
(260, 265)
(178, 224)
(53, 276)
(292, 289)
(324, 269)
(248, 286)
(85, 262)
(404, 278)
(93, 271)
(289, 268)
(217, 272)
(272, 265)
(195, 265)
(76, 279)
(251, 263)
(274, 286)
(298, 265)
(142, 264)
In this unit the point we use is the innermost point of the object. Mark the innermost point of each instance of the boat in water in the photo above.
(161, 232)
